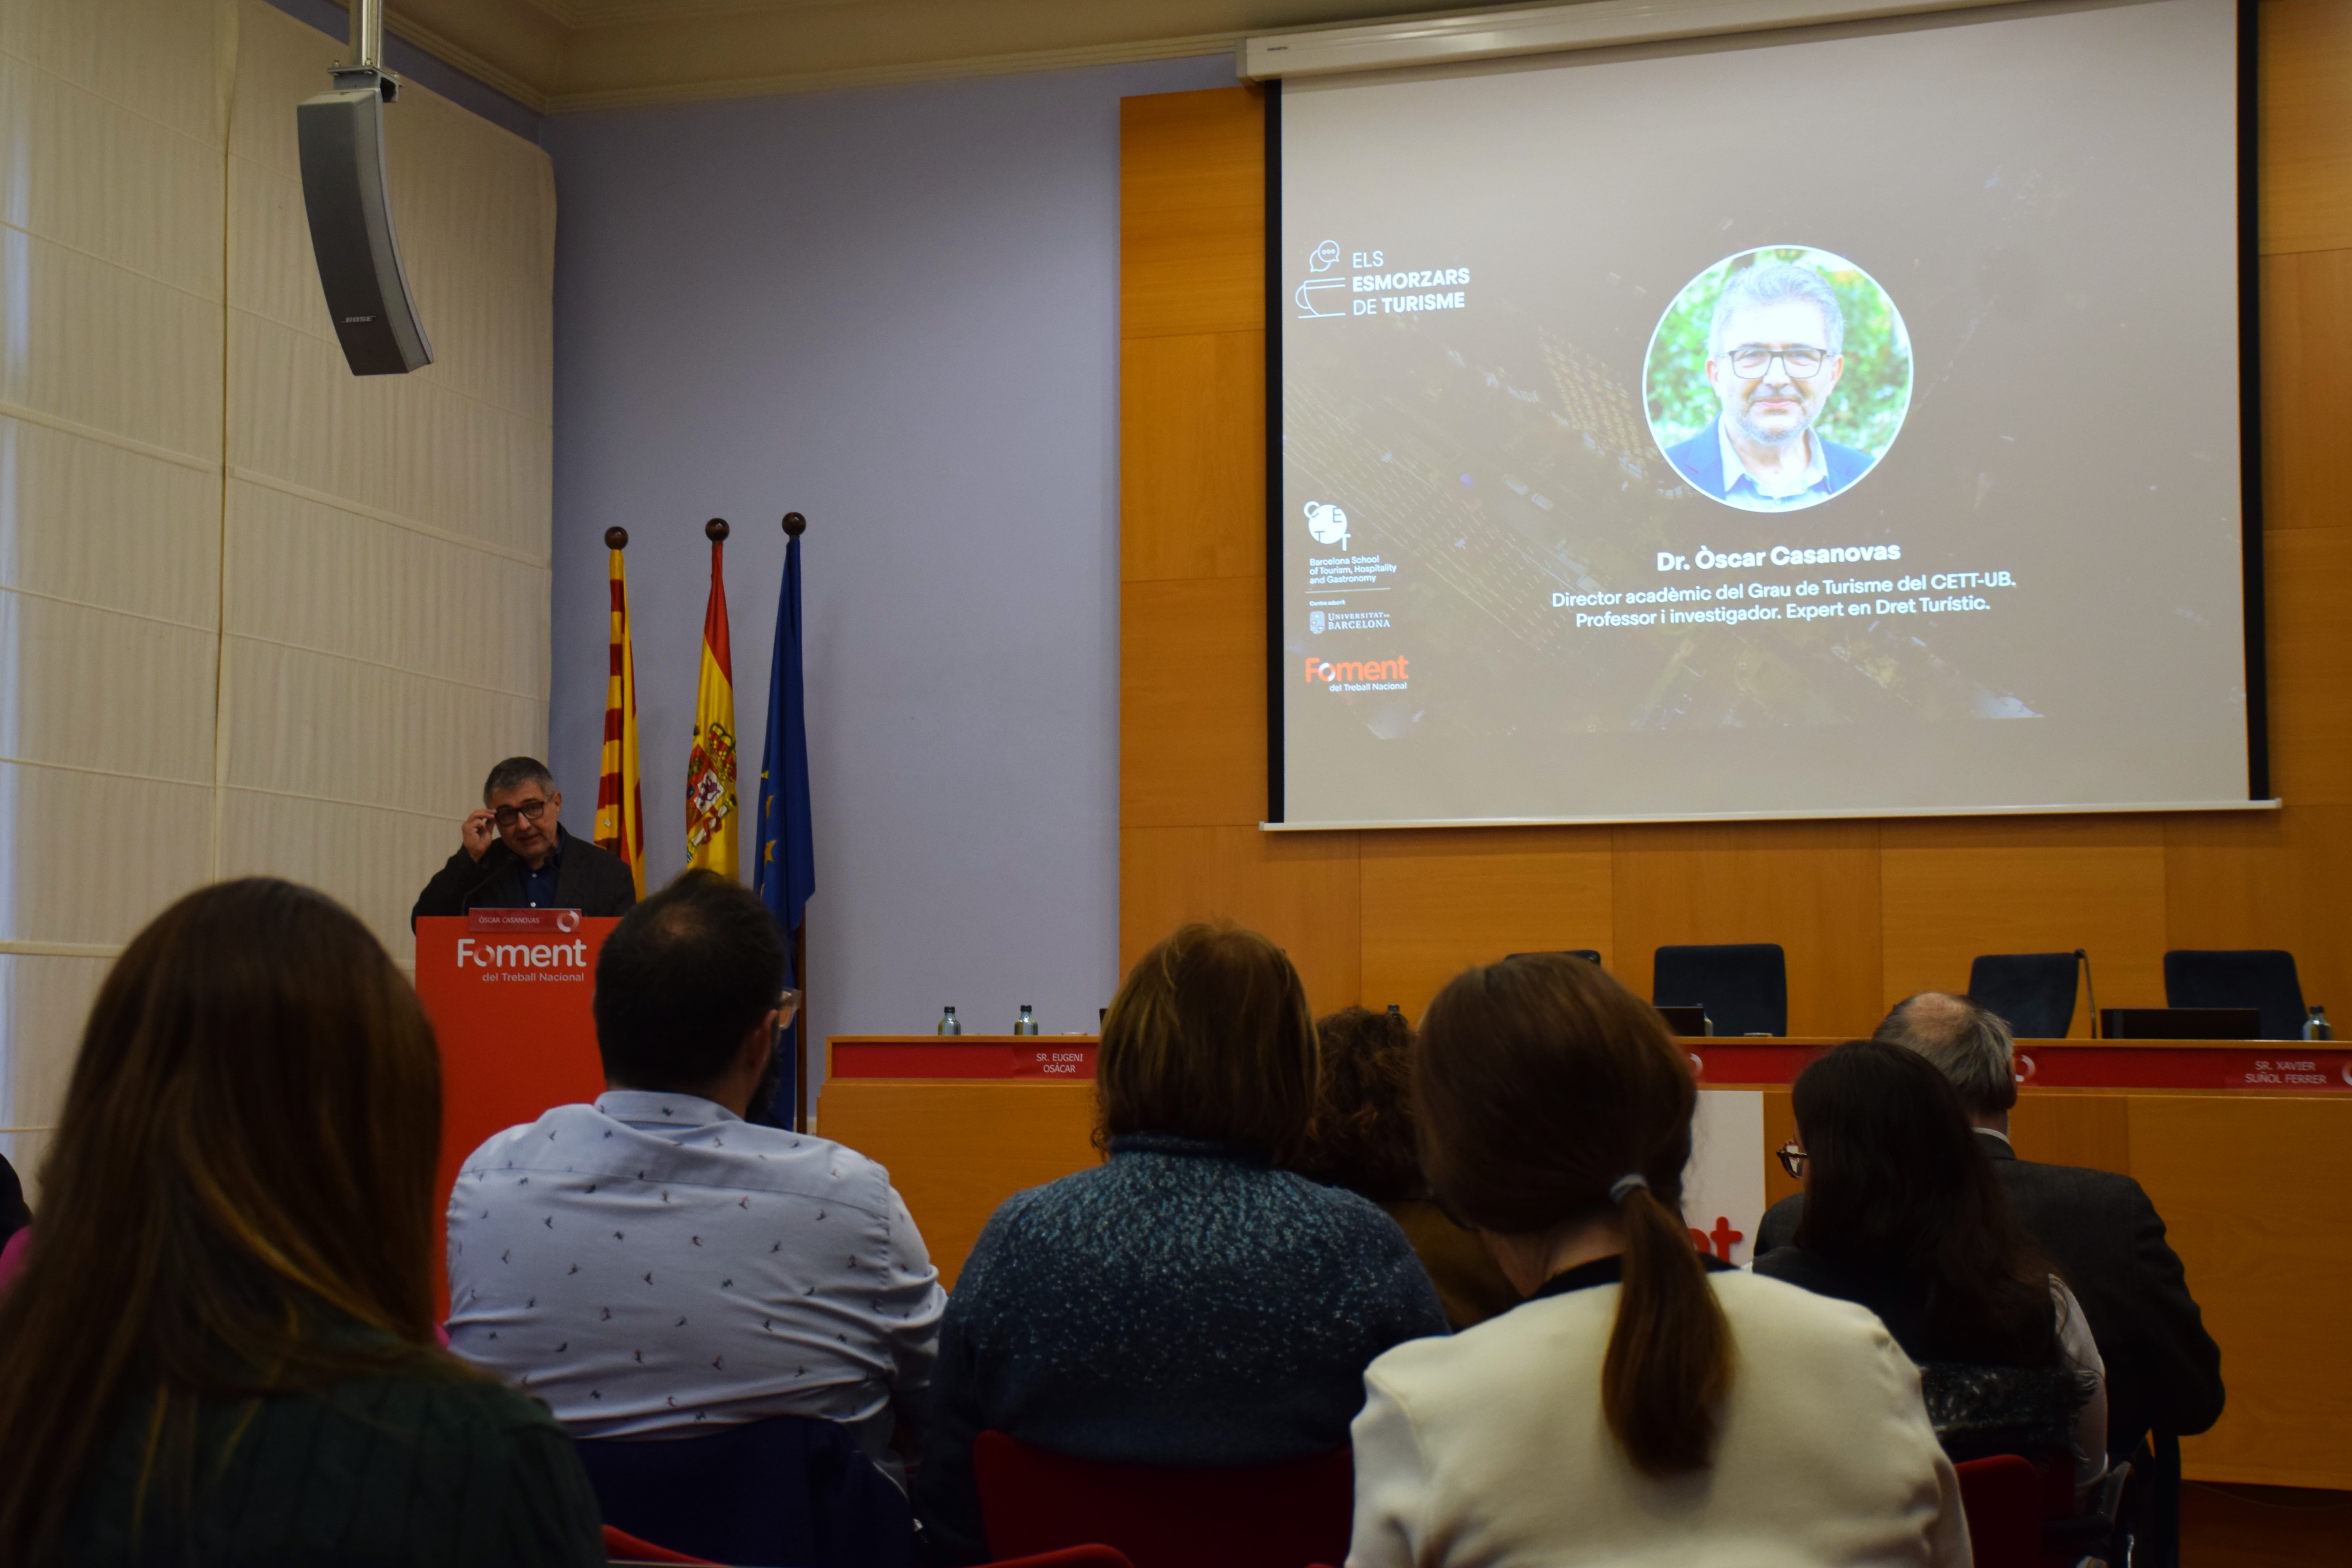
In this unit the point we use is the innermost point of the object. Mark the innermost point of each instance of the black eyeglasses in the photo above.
(1800, 360)
(1793, 1158)
(528, 811)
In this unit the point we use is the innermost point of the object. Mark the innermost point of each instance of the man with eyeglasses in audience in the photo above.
(517, 855)
(1775, 350)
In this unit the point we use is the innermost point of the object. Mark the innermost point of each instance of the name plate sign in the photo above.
(1069, 1057)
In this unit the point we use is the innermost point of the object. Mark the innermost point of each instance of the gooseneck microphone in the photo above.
(2090, 992)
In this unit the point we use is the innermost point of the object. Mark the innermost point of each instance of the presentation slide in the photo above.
(1836, 421)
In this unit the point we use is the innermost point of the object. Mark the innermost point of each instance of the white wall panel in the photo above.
(92, 857)
(43, 1001)
(109, 350)
(161, 59)
(399, 446)
(91, 521)
(100, 690)
(335, 728)
(434, 606)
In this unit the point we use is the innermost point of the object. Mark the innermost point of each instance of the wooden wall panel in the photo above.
(2273, 880)
(1192, 230)
(2062, 1127)
(1813, 887)
(2305, 116)
(2308, 577)
(2273, 1302)
(955, 1150)
(1192, 701)
(1952, 887)
(1435, 903)
(2306, 386)
(1191, 472)
(1297, 888)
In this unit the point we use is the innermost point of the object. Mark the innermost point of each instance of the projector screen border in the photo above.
(1446, 42)
(1831, 814)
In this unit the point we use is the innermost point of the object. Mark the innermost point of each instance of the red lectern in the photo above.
(508, 991)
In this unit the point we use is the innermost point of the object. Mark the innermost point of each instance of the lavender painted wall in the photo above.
(895, 311)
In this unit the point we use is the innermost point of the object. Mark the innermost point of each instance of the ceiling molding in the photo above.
(450, 52)
(839, 79)
(568, 55)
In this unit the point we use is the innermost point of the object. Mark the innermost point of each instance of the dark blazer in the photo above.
(1700, 460)
(2164, 1371)
(592, 880)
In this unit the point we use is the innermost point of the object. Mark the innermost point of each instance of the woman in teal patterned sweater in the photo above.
(222, 1350)
(1187, 1303)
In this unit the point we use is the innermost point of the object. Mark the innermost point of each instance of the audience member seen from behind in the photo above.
(653, 1264)
(2164, 1371)
(1903, 1215)
(1186, 1303)
(222, 1350)
(1644, 1404)
(1363, 1141)
(16, 1224)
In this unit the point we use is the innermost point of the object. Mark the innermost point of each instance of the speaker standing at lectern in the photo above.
(517, 856)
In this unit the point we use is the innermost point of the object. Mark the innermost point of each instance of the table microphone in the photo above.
(2089, 991)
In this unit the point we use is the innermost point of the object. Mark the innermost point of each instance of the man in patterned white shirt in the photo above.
(653, 1264)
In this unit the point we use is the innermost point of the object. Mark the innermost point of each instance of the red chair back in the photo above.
(2003, 1498)
(1069, 1557)
(1266, 1516)
(623, 1547)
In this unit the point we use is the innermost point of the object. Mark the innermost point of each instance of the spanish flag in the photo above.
(711, 769)
(619, 804)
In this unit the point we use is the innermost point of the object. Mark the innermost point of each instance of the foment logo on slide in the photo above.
(1328, 523)
(1359, 675)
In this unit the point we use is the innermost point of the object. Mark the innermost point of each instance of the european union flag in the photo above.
(785, 872)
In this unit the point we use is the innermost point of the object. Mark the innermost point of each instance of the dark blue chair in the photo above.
(1743, 985)
(791, 1489)
(2033, 992)
(2259, 978)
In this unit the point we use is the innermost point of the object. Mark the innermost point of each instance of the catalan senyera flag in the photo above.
(620, 803)
(710, 767)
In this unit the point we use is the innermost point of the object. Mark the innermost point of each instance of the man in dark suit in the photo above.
(2164, 1371)
(516, 855)
(1775, 351)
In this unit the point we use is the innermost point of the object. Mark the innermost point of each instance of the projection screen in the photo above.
(1838, 421)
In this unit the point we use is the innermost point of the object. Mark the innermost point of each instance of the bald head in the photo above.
(1967, 1043)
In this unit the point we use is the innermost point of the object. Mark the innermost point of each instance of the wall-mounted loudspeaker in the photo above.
(348, 199)
(350, 232)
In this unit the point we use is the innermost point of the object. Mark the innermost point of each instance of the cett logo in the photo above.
(1353, 672)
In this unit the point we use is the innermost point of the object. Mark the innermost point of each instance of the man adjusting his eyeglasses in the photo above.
(1775, 350)
(515, 854)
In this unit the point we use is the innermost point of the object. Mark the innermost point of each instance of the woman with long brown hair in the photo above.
(1643, 1405)
(1904, 1214)
(222, 1350)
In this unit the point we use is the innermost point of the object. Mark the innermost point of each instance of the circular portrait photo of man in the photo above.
(1776, 378)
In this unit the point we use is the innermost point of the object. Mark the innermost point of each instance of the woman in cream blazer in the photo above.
(1641, 1407)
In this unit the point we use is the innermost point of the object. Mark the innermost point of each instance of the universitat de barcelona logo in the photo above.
(710, 784)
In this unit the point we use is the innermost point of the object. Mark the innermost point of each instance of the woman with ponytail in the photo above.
(1644, 1404)
(222, 1350)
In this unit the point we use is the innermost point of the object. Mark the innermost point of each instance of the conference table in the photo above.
(2244, 1146)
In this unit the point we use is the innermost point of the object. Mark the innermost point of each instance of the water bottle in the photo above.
(1027, 1023)
(948, 1025)
(2316, 1027)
